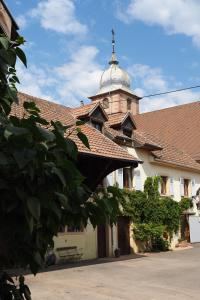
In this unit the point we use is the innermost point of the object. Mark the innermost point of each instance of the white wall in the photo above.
(150, 168)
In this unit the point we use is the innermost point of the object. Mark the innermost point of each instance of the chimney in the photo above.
(82, 103)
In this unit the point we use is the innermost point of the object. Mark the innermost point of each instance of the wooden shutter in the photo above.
(120, 178)
(138, 180)
(171, 186)
(181, 187)
(159, 184)
(193, 184)
(109, 179)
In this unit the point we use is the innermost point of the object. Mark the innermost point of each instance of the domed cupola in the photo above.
(114, 77)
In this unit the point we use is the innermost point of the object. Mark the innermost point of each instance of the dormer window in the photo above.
(105, 103)
(97, 125)
(128, 104)
(127, 132)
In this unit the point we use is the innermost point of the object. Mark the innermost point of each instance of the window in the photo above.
(128, 104)
(127, 178)
(75, 228)
(97, 125)
(105, 103)
(127, 132)
(65, 229)
(163, 185)
(186, 187)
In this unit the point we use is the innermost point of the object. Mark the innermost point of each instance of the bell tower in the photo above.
(115, 93)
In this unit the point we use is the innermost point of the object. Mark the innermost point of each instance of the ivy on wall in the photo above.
(155, 218)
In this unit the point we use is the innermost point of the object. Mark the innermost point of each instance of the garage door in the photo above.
(194, 223)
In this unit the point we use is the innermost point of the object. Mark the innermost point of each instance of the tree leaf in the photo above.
(31, 106)
(46, 134)
(4, 42)
(33, 205)
(83, 139)
(63, 200)
(60, 175)
(79, 123)
(20, 53)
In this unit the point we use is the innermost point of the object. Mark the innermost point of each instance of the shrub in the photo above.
(185, 204)
(152, 236)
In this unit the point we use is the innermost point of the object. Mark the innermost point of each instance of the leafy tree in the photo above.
(40, 186)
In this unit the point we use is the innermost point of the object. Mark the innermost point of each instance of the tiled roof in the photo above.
(49, 110)
(116, 134)
(152, 132)
(178, 126)
(100, 145)
(144, 140)
(118, 118)
(83, 110)
(169, 153)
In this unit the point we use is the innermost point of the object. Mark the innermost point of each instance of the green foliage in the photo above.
(185, 204)
(152, 235)
(153, 216)
(170, 215)
(151, 187)
(40, 186)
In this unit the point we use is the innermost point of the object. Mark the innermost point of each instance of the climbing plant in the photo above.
(154, 217)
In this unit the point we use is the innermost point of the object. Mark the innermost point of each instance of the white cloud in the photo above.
(152, 80)
(59, 16)
(68, 84)
(35, 81)
(175, 16)
(80, 76)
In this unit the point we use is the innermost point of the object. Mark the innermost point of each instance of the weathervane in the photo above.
(113, 60)
(113, 41)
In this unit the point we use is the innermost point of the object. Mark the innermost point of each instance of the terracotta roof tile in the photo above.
(116, 133)
(83, 110)
(178, 126)
(169, 153)
(115, 119)
(100, 145)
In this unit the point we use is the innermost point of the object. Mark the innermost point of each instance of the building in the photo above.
(167, 140)
(8, 26)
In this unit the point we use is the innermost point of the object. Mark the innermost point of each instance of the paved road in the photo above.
(171, 275)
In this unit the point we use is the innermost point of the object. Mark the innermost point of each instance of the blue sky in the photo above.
(69, 44)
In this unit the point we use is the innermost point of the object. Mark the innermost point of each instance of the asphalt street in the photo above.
(158, 276)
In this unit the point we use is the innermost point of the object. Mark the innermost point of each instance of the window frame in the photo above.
(164, 185)
(128, 104)
(105, 103)
(128, 179)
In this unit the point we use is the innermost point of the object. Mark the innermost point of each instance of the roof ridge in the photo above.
(85, 105)
(42, 99)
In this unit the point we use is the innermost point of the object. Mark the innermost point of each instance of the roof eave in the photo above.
(170, 163)
(113, 92)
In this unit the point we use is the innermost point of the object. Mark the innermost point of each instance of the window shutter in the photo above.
(109, 179)
(159, 184)
(120, 178)
(138, 180)
(171, 186)
(181, 186)
(193, 187)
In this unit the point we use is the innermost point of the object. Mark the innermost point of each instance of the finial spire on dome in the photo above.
(113, 57)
